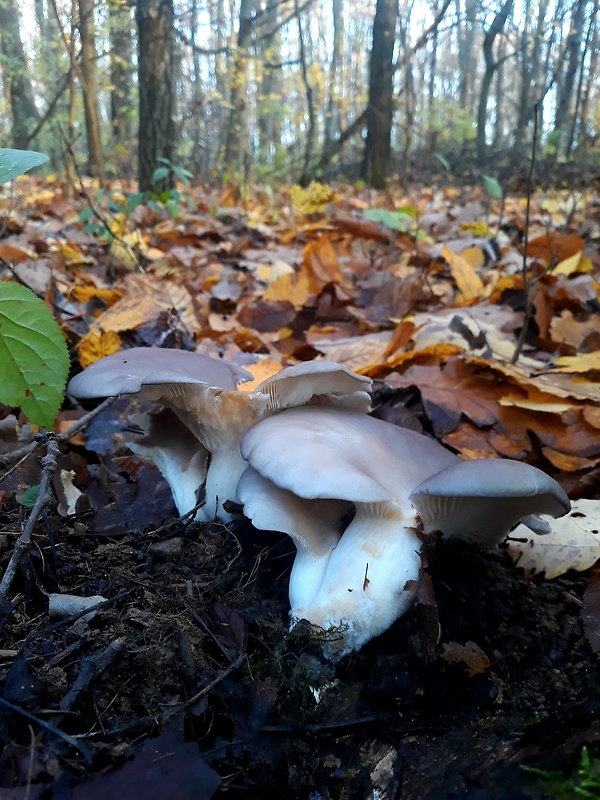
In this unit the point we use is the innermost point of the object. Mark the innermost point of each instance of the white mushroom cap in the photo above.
(128, 371)
(318, 383)
(177, 453)
(319, 452)
(481, 500)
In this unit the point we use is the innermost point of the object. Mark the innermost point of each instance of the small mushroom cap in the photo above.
(481, 500)
(328, 453)
(127, 372)
(320, 383)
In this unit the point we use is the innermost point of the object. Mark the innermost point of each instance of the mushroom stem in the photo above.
(224, 471)
(370, 578)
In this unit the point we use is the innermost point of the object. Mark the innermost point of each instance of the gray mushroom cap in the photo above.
(323, 382)
(481, 500)
(129, 371)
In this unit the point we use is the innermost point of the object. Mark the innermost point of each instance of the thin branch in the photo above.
(27, 450)
(49, 463)
(48, 726)
(524, 272)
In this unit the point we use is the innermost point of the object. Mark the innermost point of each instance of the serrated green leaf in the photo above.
(492, 186)
(34, 359)
(15, 162)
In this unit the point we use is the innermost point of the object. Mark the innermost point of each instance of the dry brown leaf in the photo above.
(555, 247)
(468, 281)
(469, 654)
(321, 262)
(85, 293)
(15, 255)
(573, 542)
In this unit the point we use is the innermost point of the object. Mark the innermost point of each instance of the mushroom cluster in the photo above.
(308, 467)
(303, 457)
(194, 434)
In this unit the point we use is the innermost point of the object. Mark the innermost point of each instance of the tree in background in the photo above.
(89, 87)
(155, 24)
(380, 111)
(16, 73)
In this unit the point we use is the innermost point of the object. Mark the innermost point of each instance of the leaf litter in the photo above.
(194, 631)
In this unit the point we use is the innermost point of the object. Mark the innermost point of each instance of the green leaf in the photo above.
(443, 161)
(15, 162)
(30, 495)
(184, 175)
(159, 174)
(396, 220)
(86, 215)
(492, 186)
(172, 207)
(34, 359)
(133, 201)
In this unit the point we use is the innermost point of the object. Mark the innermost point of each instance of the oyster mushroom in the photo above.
(388, 474)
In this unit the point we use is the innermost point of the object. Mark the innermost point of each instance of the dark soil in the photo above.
(188, 672)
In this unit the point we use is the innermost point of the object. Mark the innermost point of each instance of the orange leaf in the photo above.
(13, 255)
(555, 247)
(321, 262)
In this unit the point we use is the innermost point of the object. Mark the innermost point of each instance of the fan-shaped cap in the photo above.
(128, 371)
(481, 500)
(318, 382)
(325, 453)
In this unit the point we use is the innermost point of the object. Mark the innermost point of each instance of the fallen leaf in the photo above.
(469, 654)
(573, 542)
(468, 281)
(97, 344)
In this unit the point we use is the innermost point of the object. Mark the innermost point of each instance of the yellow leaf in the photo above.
(569, 265)
(96, 345)
(579, 364)
(85, 293)
(536, 401)
(467, 280)
(296, 289)
(261, 371)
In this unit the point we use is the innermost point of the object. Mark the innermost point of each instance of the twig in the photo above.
(25, 451)
(220, 677)
(91, 668)
(524, 273)
(49, 462)
(48, 726)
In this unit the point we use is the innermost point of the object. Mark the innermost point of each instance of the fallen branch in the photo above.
(49, 462)
(23, 452)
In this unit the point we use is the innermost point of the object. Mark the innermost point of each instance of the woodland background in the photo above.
(292, 90)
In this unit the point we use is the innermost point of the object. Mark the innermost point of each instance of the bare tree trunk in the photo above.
(121, 78)
(573, 50)
(591, 75)
(23, 109)
(311, 130)
(50, 62)
(332, 116)
(269, 105)
(466, 57)
(491, 65)
(89, 88)
(70, 143)
(380, 111)
(198, 154)
(155, 21)
(575, 119)
(235, 146)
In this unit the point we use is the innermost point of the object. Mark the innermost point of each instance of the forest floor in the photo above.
(186, 682)
(191, 668)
